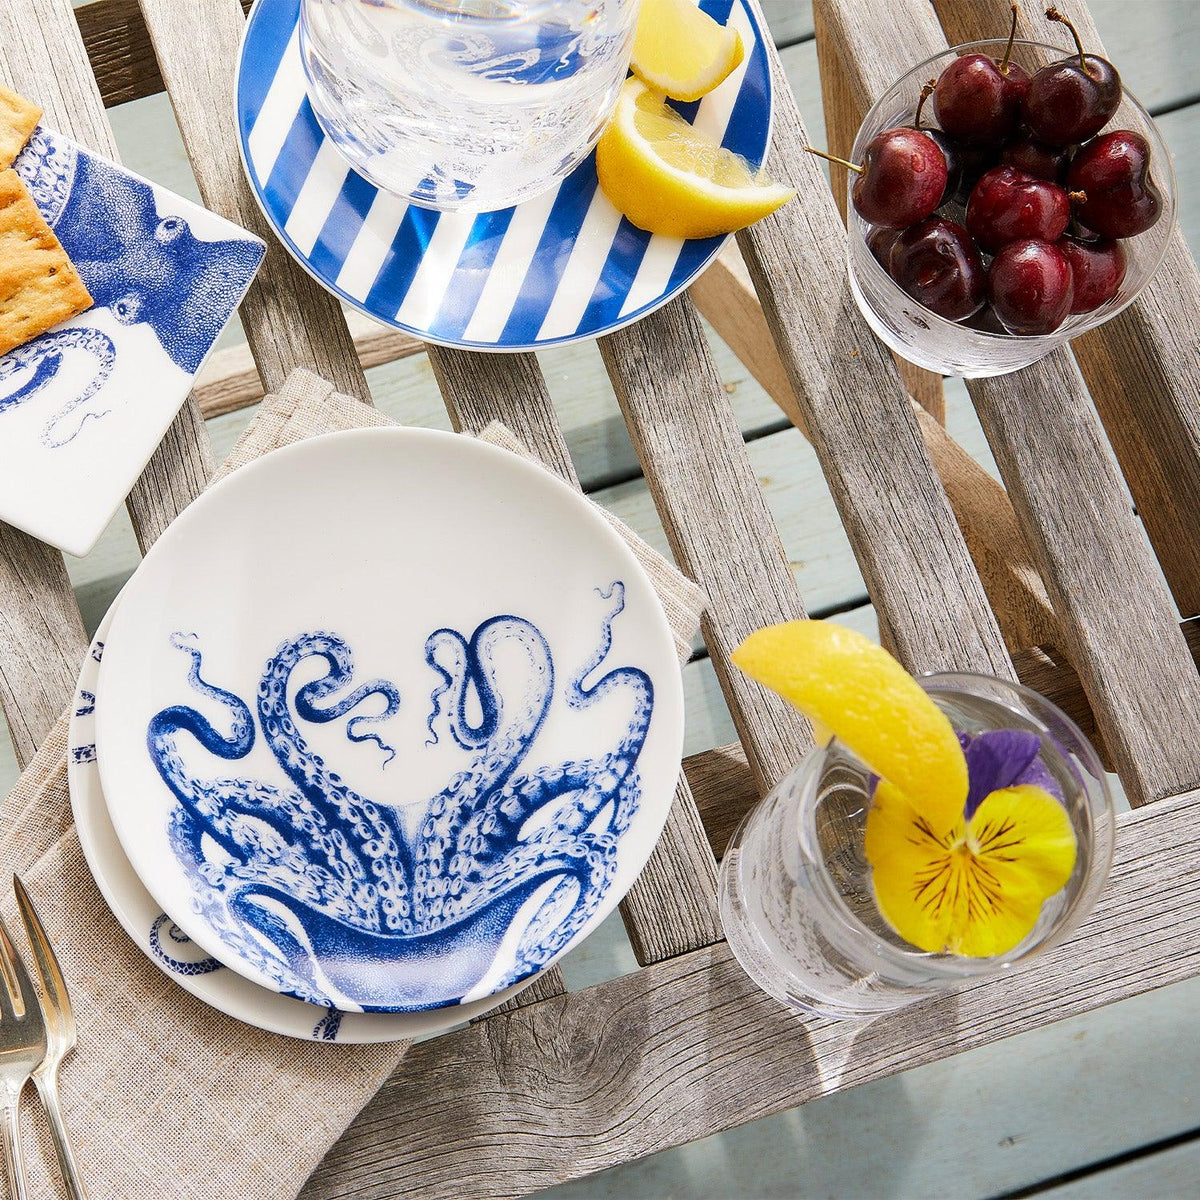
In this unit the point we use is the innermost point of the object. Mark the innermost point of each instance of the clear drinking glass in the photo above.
(950, 348)
(795, 891)
(468, 105)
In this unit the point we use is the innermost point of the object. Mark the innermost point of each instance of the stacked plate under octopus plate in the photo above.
(385, 723)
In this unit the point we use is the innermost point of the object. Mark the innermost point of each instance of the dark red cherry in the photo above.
(1097, 269)
(1120, 197)
(901, 180)
(880, 241)
(1071, 100)
(1030, 287)
(937, 264)
(1008, 205)
(951, 149)
(979, 99)
(1035, 158)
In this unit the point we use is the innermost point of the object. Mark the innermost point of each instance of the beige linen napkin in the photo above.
(166, 1097)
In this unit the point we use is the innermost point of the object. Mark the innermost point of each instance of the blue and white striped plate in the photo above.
(558, 268)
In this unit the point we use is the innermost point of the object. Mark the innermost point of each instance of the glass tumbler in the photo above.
(795, 888)
(951, 348)
(465, 105)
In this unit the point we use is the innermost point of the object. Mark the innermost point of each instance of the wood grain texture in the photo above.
(290, 320)
(119, 47)
(671, 908)
(726, 297)
(712, 508)
(229, 381)
(859, 417)
(689, 1047)
(1142, 367)
(1117, 620)
(842, 119)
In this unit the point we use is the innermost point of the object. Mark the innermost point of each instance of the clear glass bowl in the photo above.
(796, 897)
(930, 341)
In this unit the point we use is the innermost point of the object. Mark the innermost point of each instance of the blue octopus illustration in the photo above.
(143, 268)
(343, 901)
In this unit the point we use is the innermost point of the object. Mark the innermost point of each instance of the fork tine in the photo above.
(12, 995)
(57, 1001)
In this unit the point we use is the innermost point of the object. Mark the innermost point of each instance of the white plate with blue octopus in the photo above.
(170, 949)
(389, 720)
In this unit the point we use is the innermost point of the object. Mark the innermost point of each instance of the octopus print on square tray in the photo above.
(407, 760)
(83, 406)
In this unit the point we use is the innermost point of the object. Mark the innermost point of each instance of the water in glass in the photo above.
(467, 105)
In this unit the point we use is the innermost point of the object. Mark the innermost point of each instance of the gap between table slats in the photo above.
(1142, 367)
(1118, 624)
(858, 416)
(690, 1047)
(42, 639)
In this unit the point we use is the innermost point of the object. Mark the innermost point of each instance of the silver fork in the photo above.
(22, 1048)
(59, 1019)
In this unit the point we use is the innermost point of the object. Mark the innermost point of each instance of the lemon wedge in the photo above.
(847, 683)
(668, 178)
(681, 51)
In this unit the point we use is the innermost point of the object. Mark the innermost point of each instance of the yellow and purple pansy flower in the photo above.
(973, 884)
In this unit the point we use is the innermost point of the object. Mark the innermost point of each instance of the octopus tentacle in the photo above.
(372, 831)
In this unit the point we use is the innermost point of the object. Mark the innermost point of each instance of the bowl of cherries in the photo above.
(1007, 196)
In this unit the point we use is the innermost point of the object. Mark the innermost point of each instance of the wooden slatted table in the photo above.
(1049, 579)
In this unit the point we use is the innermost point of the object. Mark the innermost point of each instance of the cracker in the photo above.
(38, 285)
(18, 119)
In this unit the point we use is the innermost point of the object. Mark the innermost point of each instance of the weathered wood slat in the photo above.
(41, 637)
(672, 906)
(1142, 367)
(290, 320)
(713, 511)
(230, 381)
(1118, 624)
(690, 1047)
(726, 297)
(859, 418)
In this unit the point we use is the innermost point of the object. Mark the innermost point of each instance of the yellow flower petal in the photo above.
(978, 890)
(912, 869)
(1024, 837)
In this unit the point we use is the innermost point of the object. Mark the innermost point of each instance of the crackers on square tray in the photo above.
(39, 287)
(18, 119)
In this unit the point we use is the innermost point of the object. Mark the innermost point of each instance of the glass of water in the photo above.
(797, 903)
(465, 105)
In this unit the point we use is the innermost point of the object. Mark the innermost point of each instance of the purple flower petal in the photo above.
(1002, 758)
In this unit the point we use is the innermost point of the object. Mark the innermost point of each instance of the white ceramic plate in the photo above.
(171, 950)
(391, 719)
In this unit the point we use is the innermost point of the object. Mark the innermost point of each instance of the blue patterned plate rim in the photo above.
(170, 949)
(510, 863)
(548, 294)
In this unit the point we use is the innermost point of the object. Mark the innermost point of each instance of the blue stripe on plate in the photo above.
(341, 226)
(471, 274)
(262, 55)
(400, 265)
(620, 269)
(550, 257)
(295, 161)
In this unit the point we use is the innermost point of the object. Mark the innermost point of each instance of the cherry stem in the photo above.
(1055, 15)
(841, 162)
(1012, 37)
(926, 92)
(1077, 197)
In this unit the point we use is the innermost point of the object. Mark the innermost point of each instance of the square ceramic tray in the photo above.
(83, 407)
